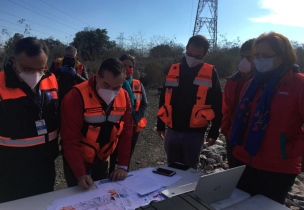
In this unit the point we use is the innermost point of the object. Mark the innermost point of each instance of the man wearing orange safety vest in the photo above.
(95, 115)
(191, 98)
(28, 122)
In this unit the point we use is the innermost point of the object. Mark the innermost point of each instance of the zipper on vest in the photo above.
(166, 111)
(89, 146)
(109, 147)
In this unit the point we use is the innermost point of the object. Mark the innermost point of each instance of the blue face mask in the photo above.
(264, 64)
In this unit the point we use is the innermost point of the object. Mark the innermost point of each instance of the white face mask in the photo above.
(108, 95)
(192, 61)
(264, 64)
(31, 80)
(245, 66)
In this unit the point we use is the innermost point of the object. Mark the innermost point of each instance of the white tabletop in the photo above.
(40, 202)
(259, 202)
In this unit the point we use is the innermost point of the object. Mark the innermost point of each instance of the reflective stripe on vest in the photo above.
(172, 79)
(27, 142)
(137, 97)
(95, 119)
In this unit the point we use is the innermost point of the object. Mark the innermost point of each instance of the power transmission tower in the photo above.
(210, 22)
(121, 40)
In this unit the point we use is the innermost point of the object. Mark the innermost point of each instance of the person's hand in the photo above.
(210, 141)
(118, 174)
(85, 181)
(161, 134)
(66, 69)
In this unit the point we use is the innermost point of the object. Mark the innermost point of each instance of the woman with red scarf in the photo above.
(138, 100)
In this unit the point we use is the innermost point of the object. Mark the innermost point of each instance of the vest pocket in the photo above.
(89, 146)
(165, 114)
(201, 116)
(88, 152)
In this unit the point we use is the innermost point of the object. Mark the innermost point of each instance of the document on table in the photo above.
(140, 184)
(161, 179)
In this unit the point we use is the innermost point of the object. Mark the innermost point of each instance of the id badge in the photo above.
(41, 127)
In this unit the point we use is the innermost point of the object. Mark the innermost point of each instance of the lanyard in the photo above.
(39, 99)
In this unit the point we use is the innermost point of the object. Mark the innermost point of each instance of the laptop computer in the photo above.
(209, 189)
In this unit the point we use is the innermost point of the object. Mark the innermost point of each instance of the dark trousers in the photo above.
(231, 159)
(184, 147)
(270, 184)
(26, 180)
(114, 155)
(97, 173)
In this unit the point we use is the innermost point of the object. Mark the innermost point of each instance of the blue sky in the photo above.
(171, 18)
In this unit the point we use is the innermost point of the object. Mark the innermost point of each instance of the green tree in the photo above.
(56, 49)
(9, 45)
(91, 44)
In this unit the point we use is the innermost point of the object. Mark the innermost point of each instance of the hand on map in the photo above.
(85, 181)
(210, 141)
(118, 174)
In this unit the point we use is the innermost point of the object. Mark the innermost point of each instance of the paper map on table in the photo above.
(111, 196)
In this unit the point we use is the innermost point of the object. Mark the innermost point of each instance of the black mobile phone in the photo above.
(179, 166)
(163, 171)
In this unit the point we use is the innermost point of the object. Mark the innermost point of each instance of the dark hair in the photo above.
(199, 41)
(70, 48)
(248, 45)
(127, 56)
(113, 65)
(280, 45)
(31, 46)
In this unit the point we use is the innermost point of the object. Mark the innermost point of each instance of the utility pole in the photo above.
(121, 40)
(210, 22)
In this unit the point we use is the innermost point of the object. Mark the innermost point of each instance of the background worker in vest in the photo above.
(28, 122)
(95, 114)
(138, 100)
(68, 71)
(190, 99)
(231, 95)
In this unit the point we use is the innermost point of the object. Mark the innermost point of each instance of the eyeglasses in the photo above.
(266, 57)
(249, 57)
(197, 57)
(29, 71)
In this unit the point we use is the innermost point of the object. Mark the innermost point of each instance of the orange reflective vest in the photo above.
(94, 117)
(136, 87)
(78, 66)
(14, 100)
(201, 113)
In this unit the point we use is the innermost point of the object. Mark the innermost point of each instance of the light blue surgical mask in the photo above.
(264, 64)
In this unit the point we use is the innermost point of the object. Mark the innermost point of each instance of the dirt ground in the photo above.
(149, 151)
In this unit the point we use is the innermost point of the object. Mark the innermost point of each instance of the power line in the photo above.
(30, 28)
(49, 13)
(43, 15)
(65, 13)
(11, 28)
(36, 23)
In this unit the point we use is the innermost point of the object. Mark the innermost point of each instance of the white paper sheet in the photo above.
(140, 184)
(161, 179)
